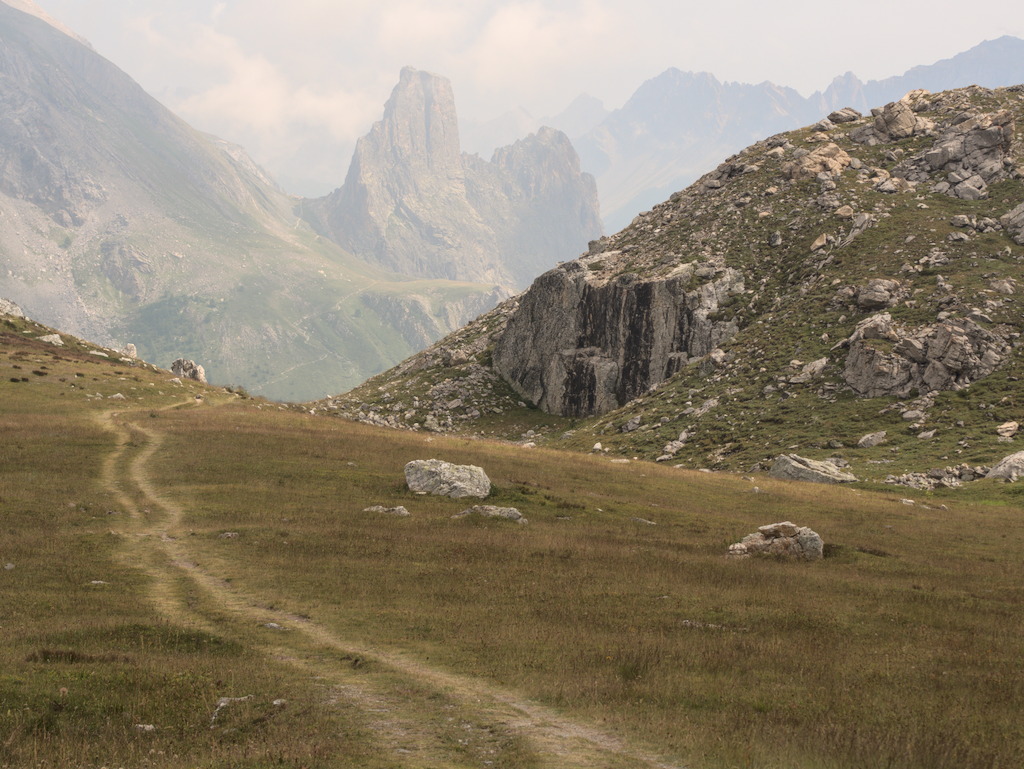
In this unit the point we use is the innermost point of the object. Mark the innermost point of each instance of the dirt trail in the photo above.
(426, 716)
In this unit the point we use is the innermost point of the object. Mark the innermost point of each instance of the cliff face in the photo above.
(412, 202)
(580, 345)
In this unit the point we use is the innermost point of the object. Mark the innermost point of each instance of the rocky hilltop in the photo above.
(857, 277)
(414, 203)
(121, 223)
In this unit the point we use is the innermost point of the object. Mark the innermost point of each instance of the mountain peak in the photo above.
(414, 203)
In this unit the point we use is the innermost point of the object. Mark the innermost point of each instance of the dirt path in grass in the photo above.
(423, 716)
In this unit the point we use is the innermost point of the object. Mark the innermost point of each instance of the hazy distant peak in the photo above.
(29, 7)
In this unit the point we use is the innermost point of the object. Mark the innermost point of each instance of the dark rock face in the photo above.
(415, 204)
(580, 345)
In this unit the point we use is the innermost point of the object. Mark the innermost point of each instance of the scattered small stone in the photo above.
(145, 727)
(229, 535)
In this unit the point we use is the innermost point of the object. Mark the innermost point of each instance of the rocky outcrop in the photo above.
(188, 369)
(433, 476)
(7, 307)
(581, 343)
(796, 468)
(888, 359)
(971, 154)
(414, 203)
(781, 540)
(895, 121)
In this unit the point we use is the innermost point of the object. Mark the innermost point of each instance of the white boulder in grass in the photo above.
(1009, 468)
(784, 540)
(433, 476)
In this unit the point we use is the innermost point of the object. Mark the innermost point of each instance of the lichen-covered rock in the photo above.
(490, 511)
(433, 476)
(581, 343)
(796, 468)
(783, 540)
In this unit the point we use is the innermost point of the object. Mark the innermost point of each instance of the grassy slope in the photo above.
(614, 605)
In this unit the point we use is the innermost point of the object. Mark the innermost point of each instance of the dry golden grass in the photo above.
(614, 606)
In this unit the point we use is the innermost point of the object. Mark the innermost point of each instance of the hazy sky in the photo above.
(297, 81)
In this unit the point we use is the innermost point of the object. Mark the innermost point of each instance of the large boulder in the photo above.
(783, 540)
(433, 476)
(796, 468)
(188, 369)
(1009, 468)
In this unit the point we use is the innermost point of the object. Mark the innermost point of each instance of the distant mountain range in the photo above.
(679, 125)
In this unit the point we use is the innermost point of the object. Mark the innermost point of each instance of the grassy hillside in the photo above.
(181, 545)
